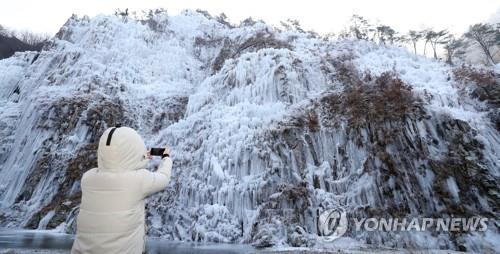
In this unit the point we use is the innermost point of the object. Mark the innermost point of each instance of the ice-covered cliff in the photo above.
(268, 128)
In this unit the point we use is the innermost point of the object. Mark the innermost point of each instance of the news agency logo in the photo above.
(333, 223)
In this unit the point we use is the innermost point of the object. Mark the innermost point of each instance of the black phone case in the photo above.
(157, 151)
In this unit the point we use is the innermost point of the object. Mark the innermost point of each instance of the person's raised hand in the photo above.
(166, 153)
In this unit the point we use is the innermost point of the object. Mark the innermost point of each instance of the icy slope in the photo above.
(268, 128)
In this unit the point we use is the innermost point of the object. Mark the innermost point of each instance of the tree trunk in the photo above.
(487, 52)
(449, 54)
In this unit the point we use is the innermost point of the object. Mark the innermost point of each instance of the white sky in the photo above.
(323, 16)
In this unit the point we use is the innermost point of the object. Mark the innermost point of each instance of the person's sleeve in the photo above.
(158, 180)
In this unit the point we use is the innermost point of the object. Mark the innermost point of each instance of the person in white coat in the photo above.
(112, 210)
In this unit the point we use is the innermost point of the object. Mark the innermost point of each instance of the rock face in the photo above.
(268, 129)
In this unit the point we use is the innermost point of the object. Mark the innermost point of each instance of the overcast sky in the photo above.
(320, 15)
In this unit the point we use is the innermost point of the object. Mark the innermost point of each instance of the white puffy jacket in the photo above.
(112, 217)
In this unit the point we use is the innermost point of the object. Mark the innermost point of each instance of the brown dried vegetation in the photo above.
(97, 114)
(372, 100)
(483, 85)
(481, 77)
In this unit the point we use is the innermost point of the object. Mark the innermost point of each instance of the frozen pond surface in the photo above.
(28, 241)
(45, 242)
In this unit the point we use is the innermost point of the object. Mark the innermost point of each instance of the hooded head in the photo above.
(123, 150)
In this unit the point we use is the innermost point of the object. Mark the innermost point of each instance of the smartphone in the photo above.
(157, 151)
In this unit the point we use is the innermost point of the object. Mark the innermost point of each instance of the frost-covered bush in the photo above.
(370, 100)
(482, 77)
(233, 49)
(157, 20)
(483, 84)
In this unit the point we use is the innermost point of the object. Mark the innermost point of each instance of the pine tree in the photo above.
(486, 36)
(452, 48)
(414, 37)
